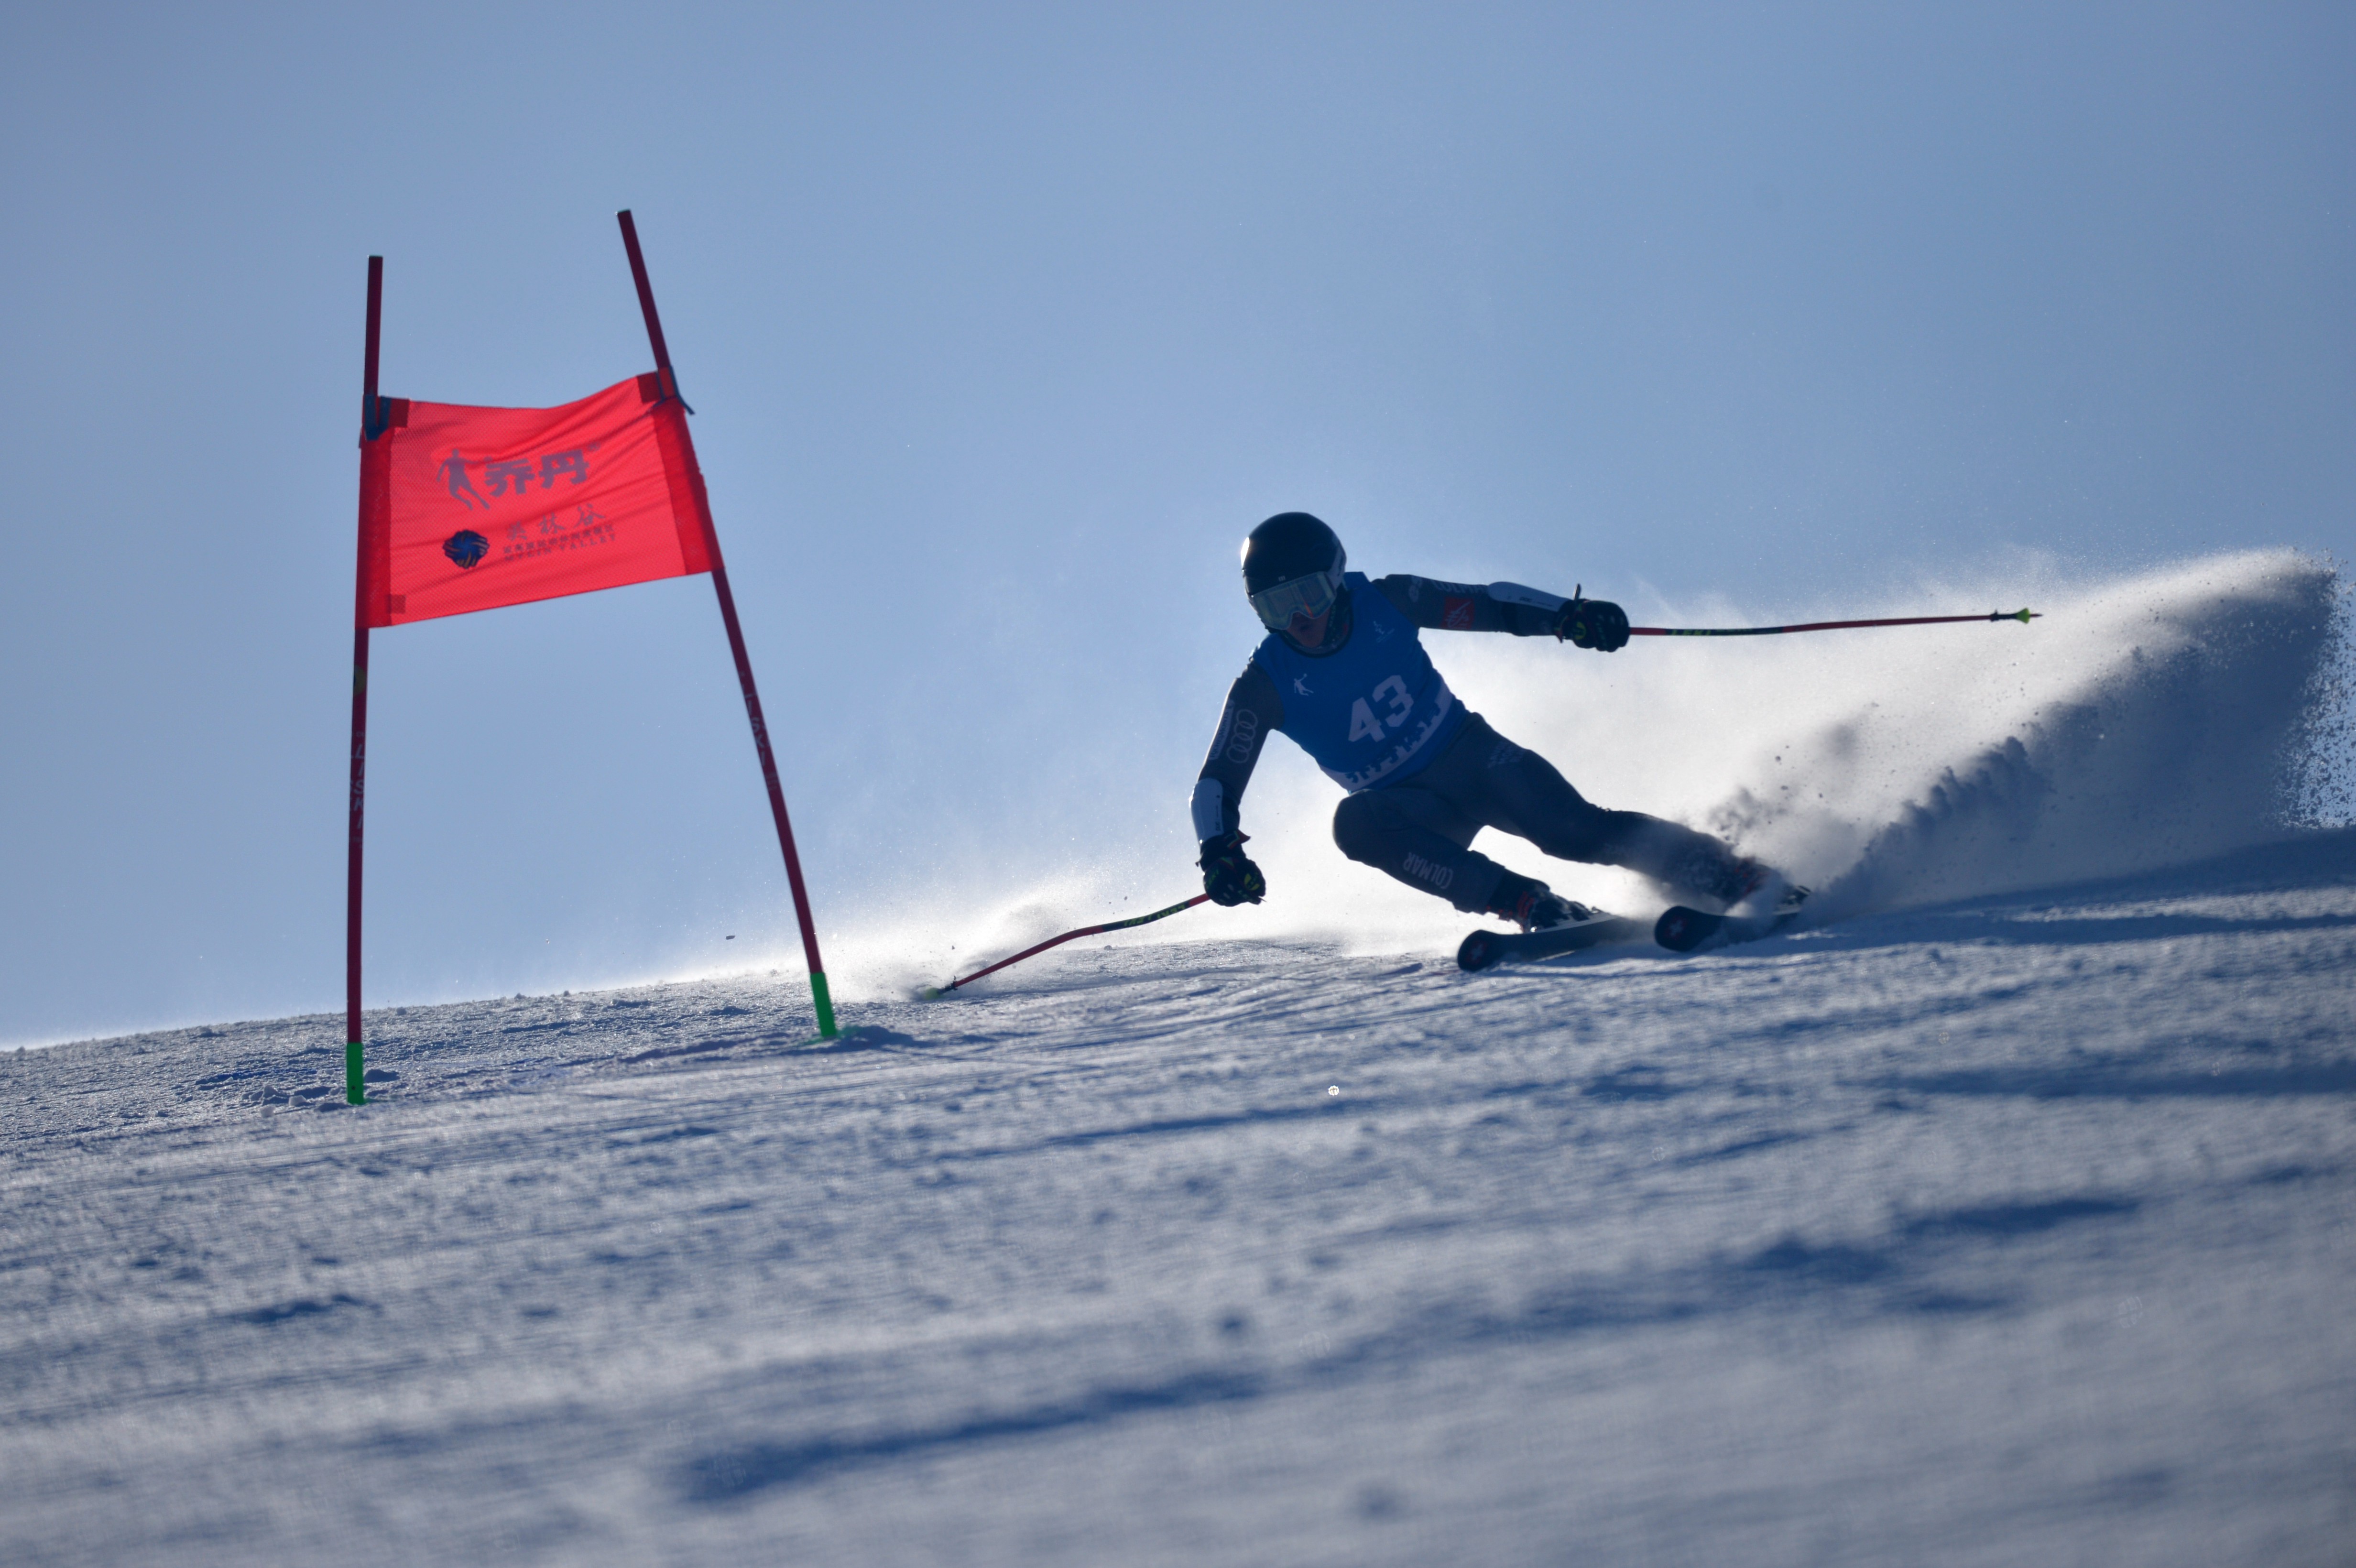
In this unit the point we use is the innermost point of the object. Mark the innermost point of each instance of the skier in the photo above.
(1342, 671)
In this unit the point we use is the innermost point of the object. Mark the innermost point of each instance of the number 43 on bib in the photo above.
(1393, 693)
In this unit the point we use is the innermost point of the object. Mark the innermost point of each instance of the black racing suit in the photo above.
(1420, 829)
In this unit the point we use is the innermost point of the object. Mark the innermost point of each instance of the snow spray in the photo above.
(2153, 719)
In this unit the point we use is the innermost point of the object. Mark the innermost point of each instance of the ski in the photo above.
(1683, 929)
(1484, 949)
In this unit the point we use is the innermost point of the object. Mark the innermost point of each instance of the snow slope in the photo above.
(2005, 1216)
(2017, 1230)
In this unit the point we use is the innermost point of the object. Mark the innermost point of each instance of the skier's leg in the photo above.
(1419, 838)
(1515, 790)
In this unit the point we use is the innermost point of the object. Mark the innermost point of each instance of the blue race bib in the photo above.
(1374, 712)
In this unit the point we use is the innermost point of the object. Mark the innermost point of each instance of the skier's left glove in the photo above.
(1229, 875)
(1596, 623)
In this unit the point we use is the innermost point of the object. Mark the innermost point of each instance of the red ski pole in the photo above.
(932, 991)
(2023, 617)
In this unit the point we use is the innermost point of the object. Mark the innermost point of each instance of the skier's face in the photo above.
(1309, 632)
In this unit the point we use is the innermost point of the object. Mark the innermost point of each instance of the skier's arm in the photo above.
(1253, 710)
(1507, 607)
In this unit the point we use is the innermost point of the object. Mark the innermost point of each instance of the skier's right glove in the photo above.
(1229, 875)
(1596, 623)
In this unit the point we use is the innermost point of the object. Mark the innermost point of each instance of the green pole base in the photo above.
(354, 1091)
(819, 995)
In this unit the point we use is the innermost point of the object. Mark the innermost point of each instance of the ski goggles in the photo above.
(1311, 596)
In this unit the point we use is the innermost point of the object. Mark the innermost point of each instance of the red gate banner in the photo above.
(468, 509)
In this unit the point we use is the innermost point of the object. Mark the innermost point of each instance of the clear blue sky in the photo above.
(1003, 324)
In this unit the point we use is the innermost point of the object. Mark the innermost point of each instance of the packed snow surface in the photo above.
(2005, 1214)
(2015, 1231)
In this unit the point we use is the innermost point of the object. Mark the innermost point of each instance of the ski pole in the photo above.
(2023, 617)
(931, 992)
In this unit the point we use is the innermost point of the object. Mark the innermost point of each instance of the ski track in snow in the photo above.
(2003, 1216)
(2012, 1230)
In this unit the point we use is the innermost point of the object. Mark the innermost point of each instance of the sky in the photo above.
(1002, 326)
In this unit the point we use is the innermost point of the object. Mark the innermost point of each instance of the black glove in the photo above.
(1596, 623)
(1229, 875)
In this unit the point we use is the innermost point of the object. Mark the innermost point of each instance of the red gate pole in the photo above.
(355, 1090)
(819, 995)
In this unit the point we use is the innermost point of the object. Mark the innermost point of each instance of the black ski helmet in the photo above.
(1290, 548)
(1289, 545)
